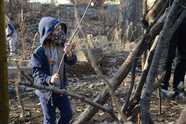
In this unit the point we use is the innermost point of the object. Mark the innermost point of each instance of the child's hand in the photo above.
(67, 49)
(54, 79)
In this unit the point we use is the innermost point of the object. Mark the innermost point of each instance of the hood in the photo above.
(47, 25)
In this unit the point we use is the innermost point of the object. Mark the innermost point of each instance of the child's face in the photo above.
(58, 28)
(58, 35)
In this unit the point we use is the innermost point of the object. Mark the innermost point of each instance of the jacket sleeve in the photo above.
(10, 30)
(70, 60)
(40, 77)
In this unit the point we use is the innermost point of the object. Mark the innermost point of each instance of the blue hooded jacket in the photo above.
(39, 62)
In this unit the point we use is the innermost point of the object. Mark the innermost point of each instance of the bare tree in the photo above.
(132, 11)
(4, 103)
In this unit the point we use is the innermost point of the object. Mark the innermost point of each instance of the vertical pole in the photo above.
(4, 102)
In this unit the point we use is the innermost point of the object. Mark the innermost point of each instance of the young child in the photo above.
(44, 65)
(11, 36)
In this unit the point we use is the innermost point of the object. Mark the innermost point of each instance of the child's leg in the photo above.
(65, 109)
(48, 111)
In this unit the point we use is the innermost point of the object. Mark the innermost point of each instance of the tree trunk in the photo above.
(4, 102)
(132, 11)
(164, 37)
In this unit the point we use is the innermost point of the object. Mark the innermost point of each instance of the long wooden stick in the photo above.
(74, 34)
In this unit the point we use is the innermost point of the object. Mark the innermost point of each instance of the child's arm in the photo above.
(37, 71)
(70, 58)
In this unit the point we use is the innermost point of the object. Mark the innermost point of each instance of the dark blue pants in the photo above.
(49, 109)
(177, 47)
